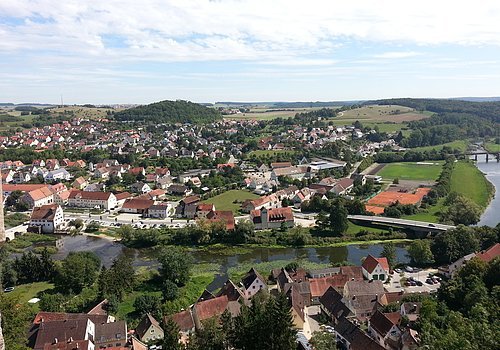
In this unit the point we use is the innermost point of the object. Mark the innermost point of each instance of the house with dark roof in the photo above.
(252, 283)
(63, 331)
(375, 268)
(187, 207)
(351, 337)
(265, 219)
(148, 329)
(384, 329)
(113, 334)
(231, 291)
(47, 218)
(332, 305)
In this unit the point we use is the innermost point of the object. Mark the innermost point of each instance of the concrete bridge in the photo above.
(420, 226)
(483, 153)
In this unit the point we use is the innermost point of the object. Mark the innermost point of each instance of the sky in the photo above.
(130, 51)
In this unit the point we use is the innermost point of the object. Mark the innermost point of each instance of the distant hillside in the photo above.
(170, 112)
(487, 110)
(289, 104)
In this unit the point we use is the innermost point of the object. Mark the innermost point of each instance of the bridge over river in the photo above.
(420, 226)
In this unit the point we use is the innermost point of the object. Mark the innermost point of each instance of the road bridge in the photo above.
(409, 224)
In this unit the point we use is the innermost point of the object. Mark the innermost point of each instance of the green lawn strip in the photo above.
(469, 181)
(354, 228)
(431, 214)
(460, 144)
(15, 219)
(411, 171)
(226, 200)
(492, 147)
(271, 152)
(28, 291)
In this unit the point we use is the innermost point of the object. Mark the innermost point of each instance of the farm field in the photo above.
(83, 112)
(411, 171)
(460, 144)
(268, 114)
(392, 113)
(477, 188)
(226, 200)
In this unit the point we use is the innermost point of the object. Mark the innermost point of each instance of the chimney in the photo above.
(55, 340)
(353, 297)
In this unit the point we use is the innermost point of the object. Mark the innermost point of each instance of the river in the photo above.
(491, 216)
(108, 250)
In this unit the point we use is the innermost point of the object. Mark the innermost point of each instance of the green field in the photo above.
(393, 113)
(28, 291)
(461, 145)
(468, 180)
(411, 171)
(492, 147)
(231, 200)
(431, 214)
(271, 152)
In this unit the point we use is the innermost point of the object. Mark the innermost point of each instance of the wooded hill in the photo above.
(170, 112)
(487, 110)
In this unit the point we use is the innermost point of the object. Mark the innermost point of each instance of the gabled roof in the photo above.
(112, 331)
(184, 320)
(45, 212)
(381, 323)
(211, 308)
(332, 301)
(90, 195)
(490, 253)
(231, 290)
(146, 322)
(358, 339)
(251, 276)
(370, 263)
(138, 203)
(365, 287)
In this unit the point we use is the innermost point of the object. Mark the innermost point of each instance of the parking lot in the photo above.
(420, 278)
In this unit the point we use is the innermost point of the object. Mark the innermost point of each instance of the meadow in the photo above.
(411, 171)
(231, 200)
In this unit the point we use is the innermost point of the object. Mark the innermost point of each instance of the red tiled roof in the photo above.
(489, 254)
(90, 195)
(320, 285)
(122, 195)
(222, 215)
(370, 263)
(184, 320)
(138, 204)
(45, 212)
(210, 308)
(21, 187)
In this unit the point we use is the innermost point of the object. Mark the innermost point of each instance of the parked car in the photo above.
(398, 270)
(419, 283)
(8, 289)
(429, 281)
(409, 269)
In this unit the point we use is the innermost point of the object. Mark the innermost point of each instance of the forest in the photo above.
(170, 112)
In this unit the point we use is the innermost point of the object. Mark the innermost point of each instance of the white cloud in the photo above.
(397, 54)
(169, 30)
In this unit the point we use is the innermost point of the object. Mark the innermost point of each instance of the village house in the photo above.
(137, 206)
(87, 199)
(375, 268)
(331, 304)
(265, 219)
(187, 207)
(47, 218)
(149, 329)
(351, 337)
(224, 216)
(159, 211)
(57, 175)
(140, 187)
(383, 328)
(38, 197)
(252, 283)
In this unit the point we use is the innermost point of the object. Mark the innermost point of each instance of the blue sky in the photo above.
(128, 51)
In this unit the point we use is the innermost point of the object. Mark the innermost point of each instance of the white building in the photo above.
(87, 199)
(49, 218)
(375, 268)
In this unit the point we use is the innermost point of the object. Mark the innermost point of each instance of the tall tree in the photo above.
(77, 270)
(323, 341)
(389, 252)
(420, 252)
(171, 335)
(338, 218)
(175, 265)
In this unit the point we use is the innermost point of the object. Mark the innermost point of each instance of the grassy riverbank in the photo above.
(470, 182)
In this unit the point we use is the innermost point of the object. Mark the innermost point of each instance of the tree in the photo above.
(389, 252)
(170, 290)
(323, 341)
(77, 270)
(77, 223)
(175, 265)
(16, 319)
(462, 211)
(420, 252)
(52, 302)
(209, 337)
(148, 304)
(119, 279)
(451, 245)
(171, 335)
(338, 218)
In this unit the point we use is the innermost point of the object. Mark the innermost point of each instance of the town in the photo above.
(233, 182)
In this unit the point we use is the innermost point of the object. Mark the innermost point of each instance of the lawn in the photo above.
(28, 291)
(231, 200)
(15, 219)
(271, 152)
(431, 214)
(492, 147)
(460, 144)
(411, 171)
(468, 180)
